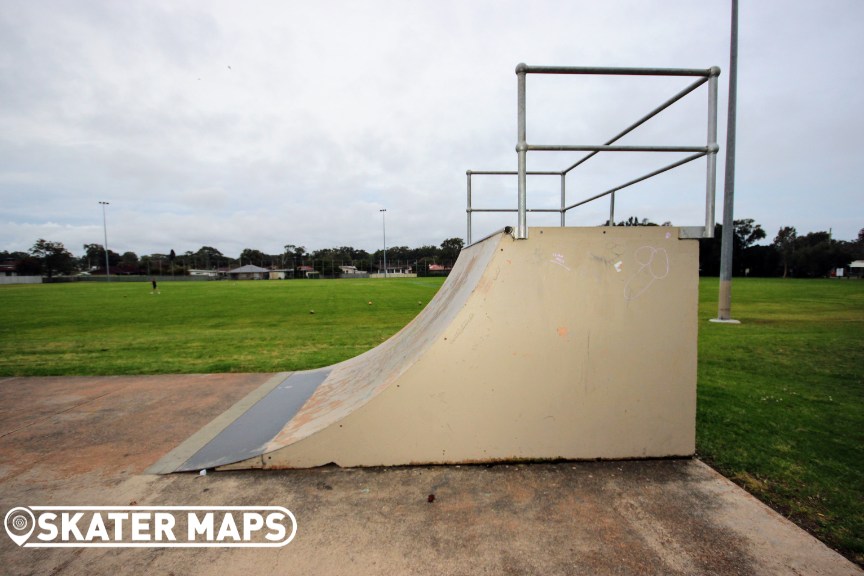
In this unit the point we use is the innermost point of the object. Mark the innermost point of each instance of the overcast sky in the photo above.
(257, 124)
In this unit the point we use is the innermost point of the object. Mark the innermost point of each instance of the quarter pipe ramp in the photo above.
(576, 343)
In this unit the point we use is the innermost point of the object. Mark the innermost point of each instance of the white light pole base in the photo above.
(722, 321)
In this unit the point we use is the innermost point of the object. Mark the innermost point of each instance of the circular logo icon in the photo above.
(20, 523)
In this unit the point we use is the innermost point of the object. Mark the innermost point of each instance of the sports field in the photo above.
(781, 396)
(200, 327)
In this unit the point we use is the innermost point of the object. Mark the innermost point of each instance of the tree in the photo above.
(211, 257)
(28, 266)
(300, 253)
(785, 243)
(818, 255)
(327, 260)
(93, 255)
(745, 233)
(450, 249)
(293, 256)
(428, 252)
(129, 263)
(154, 263)
(54, 257)
(398, 254)
(634, 221)
(858, 246)
(250, 256)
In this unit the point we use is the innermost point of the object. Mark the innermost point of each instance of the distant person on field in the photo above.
(155, 288)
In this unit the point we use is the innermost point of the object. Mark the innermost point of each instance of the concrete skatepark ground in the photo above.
(88, 441)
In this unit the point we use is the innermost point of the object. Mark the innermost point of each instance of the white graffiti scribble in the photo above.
(653, 265)
(559, 260)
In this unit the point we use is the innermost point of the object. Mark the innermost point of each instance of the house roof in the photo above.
(247, 269)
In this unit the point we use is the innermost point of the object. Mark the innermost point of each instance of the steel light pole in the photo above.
(724, 304)
(105, 231)
(384, 229)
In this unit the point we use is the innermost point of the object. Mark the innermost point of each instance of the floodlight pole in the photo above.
(384, 229)
(724, 304)
(105, 231)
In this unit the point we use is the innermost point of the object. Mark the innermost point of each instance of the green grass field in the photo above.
(92, 328)
(781, 400)
(781, 396)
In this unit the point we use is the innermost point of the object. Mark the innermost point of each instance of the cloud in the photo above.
(260, 124)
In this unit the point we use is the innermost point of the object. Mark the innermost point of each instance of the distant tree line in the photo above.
(53, 259)
(812, 255)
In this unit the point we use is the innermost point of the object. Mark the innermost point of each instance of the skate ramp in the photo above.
(577, 343)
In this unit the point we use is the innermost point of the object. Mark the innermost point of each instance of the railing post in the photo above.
(563, 197)
(522, 151)
(468, 209)
(711, 172)
(612, 209)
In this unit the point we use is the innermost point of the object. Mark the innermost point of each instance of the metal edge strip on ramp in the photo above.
(237, 429)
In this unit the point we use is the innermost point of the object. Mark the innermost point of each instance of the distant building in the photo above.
(211, 273)
(394, 271)
(352, 272)
(8, 268)
(249, 272)
(281, 273)
(397, 269)
(308, 271)
(438, 270)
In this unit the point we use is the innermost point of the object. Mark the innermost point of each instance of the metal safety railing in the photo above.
(709, 150)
